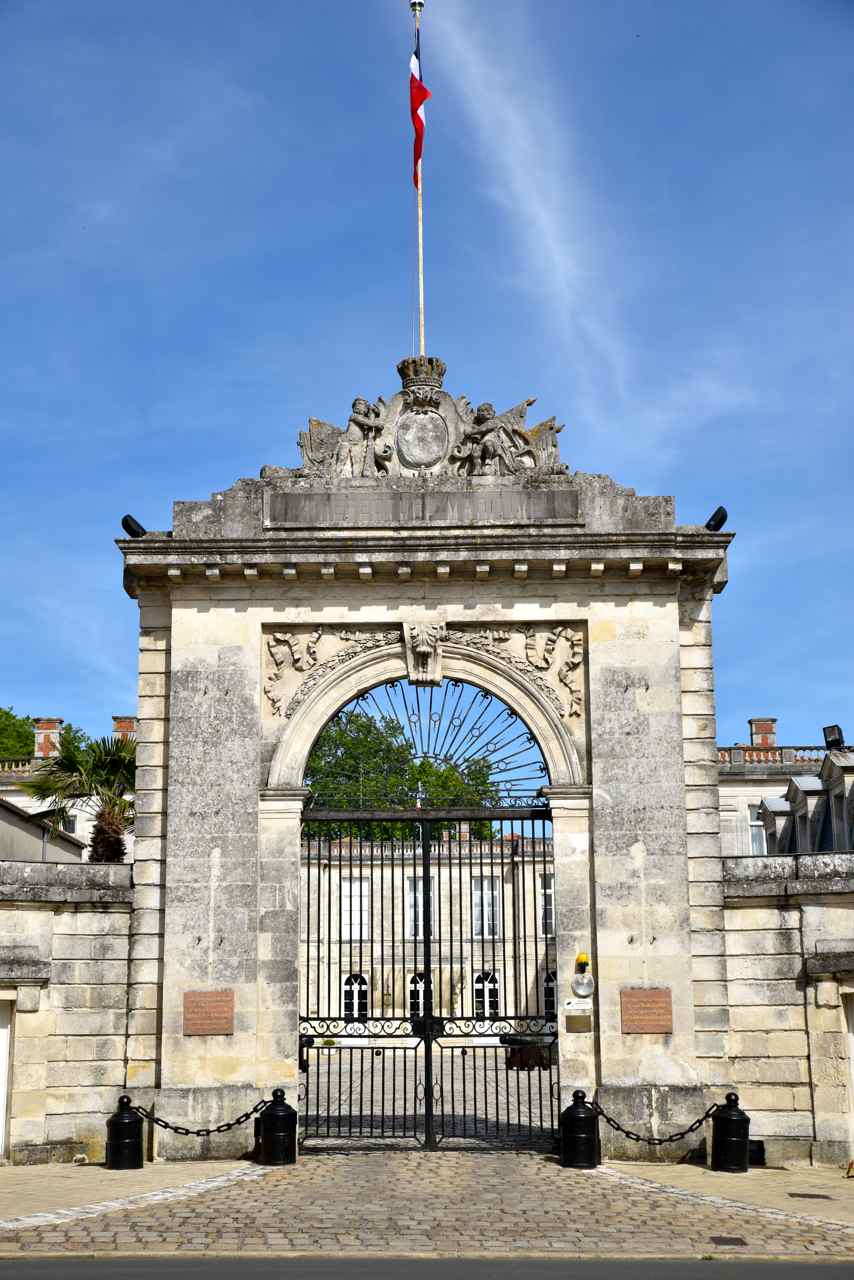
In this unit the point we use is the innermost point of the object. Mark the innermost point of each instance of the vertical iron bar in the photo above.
(427, 951)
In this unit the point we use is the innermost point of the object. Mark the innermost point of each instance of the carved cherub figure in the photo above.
(367, 419)
(496, 445)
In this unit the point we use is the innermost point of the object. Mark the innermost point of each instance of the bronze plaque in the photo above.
(646, 1011)
(208, 1013)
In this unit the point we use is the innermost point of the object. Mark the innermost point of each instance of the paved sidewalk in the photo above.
(26, 1189)
(451, 1203)
(817, 1193)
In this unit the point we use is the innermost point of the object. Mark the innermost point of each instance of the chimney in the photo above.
(48, 730)
(763, 731)
(124, 726)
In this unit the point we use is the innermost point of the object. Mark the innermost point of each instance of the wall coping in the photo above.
(84, 882)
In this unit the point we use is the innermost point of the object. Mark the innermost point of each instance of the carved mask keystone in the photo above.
(424, 652)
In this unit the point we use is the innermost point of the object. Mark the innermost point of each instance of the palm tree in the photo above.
(96, 776)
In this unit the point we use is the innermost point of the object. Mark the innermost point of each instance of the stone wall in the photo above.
(146, 959)
(787, 925)
(708, 966)
(64, 963)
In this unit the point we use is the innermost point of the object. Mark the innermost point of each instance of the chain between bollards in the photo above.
(275, 1131)
(580, 1146)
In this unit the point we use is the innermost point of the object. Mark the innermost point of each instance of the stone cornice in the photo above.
(407, 553)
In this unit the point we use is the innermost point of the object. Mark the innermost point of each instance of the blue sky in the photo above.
(640, 211)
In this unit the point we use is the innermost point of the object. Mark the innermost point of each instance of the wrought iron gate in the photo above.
(428, 986)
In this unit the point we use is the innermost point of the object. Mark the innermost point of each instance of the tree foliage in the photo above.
(97, 775)
(363, 762)
(16, 734)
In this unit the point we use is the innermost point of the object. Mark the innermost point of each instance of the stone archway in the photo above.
(311, 675)
(464, 654)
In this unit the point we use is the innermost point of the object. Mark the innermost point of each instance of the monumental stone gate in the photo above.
(436, 566)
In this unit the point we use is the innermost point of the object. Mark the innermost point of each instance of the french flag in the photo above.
(418, 95)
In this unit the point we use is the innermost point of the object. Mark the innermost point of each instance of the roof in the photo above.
(809, 784)
(42, 821)
(777, 806)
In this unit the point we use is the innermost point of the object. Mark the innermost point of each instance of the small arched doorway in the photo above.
(427, 922)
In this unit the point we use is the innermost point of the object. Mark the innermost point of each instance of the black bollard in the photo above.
(124, 1138)
(730, 1138)
(278, 1131)
(579, 1134)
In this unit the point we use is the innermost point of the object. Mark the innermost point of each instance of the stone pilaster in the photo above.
(703, 832)
(149, 870)
(277, 1041)
(570, 807)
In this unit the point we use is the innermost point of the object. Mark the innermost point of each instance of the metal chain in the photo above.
(201, 1133)
(653, 1142)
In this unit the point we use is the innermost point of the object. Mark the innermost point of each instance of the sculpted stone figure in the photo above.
(496, 445)
(424, 432)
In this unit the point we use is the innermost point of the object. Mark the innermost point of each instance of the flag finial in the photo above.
(416, 6)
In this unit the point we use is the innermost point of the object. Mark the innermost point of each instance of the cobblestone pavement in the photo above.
(397, 1202)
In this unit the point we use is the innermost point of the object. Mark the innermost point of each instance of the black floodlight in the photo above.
(834, 738)
(716, 520)
(132, 527)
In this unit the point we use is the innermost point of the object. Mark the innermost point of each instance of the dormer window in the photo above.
(758, 843)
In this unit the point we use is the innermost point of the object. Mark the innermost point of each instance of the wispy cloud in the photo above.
(569, 250)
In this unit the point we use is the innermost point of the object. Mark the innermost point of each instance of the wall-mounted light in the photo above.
(834, 738)
(582, 982)
(132, 527)
(717, 520)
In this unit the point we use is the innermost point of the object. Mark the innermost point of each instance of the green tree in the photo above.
(362, 762)
(72, 734)
(98, 776)
(16, 734)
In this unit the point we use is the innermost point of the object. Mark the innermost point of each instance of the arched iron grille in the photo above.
(413, 746)
(428, 947)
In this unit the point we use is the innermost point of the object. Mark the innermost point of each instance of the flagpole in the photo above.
(416, 6)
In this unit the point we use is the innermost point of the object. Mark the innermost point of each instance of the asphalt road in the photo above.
(414, 1269)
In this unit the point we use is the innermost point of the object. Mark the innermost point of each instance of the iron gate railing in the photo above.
(428, 987)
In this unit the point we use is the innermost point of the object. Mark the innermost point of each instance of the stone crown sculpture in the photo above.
(423, 431)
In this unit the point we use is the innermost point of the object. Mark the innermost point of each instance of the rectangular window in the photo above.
(758, 844)
(486, 922)
(547, 919)
(355, 909)
(415, 906)
(839, 840)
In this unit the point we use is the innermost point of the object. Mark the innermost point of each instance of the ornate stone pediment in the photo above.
(547, 657)
(424, 432)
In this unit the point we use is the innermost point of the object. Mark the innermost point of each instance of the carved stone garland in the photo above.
(423, 647)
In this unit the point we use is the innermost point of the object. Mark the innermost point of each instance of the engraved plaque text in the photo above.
(208, 1013)
(646, 1011)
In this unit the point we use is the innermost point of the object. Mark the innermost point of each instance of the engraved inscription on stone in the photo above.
(422, 439)
(646, 1011)
(208, 1013)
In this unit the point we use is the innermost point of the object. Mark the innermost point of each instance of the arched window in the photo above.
(355, 996)
(550, 996)
(416, 995)
(486, 995)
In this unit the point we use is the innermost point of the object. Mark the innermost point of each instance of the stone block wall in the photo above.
(784, 1044)
(768, 1048)
(705, 890)
(64, 963)
(146, 958)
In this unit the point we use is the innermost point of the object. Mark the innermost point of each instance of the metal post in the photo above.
(124, 1137)
(416, 9)
(730, 1138)
(430, 1143)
